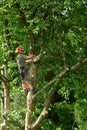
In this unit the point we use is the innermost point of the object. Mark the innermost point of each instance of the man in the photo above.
(22, 66)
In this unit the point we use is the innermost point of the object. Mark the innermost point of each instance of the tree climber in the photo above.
(22, 66)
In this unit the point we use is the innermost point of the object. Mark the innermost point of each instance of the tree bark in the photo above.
(30, 109)
(30, 104)
(5, 99)
(6, 107)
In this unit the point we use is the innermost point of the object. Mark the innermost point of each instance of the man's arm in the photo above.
(28, 61)
(29, 57)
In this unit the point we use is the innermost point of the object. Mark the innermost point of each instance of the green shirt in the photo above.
(21, 61)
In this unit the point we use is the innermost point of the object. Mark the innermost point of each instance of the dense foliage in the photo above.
(59, 27)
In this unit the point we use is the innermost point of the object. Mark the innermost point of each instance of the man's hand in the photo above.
(34, 56)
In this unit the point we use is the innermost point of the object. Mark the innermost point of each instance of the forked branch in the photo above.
(52, 92)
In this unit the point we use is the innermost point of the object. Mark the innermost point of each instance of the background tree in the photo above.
(59, 28)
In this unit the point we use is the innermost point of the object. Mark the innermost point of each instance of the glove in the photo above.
(34, 56)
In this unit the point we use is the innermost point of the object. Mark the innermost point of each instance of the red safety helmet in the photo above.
(19, 50)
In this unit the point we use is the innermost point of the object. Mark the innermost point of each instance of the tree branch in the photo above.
(52, 92)
(38, 57)
(3, 78)
(78, 65)
(44, 88)
(61, 76)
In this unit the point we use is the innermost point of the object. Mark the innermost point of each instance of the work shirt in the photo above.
(21, 61)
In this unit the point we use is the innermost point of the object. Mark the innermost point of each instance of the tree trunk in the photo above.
(5, 101)
(6, 107)
(30, 109)
(30, 104)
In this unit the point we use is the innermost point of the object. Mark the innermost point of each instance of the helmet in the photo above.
(19, 50)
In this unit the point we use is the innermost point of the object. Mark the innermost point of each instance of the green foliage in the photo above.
(47, 124)
(65, 114)
(81, 104)
(18, 110)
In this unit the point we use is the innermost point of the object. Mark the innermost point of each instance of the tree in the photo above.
(59, 29)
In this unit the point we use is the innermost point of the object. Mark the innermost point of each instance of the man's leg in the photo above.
(23, 77)
(25, 89)
(29, 82)
(30, 86)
